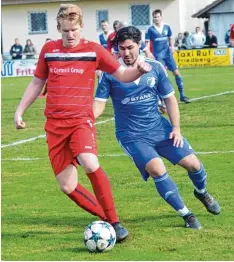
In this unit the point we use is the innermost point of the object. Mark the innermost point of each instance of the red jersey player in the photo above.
(68, 65)
(111, 37)
(232, 35)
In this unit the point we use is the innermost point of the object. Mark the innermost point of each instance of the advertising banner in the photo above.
(13, 68)
(203, 57)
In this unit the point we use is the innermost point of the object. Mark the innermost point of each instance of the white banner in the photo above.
(13, 68)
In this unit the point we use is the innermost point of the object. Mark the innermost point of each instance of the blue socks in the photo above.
(168, 191)
(199, 179)
(180, 85)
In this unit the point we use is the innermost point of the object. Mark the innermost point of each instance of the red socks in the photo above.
(102, 189)
(84, 199)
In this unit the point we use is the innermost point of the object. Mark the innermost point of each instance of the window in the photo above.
(101, 15)
(140, 15)
(37, 22)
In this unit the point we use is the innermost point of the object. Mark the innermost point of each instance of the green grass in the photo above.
(40, 223)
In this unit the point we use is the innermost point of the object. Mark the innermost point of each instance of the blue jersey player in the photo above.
(106, 32)
(159, 39)
(144, 134)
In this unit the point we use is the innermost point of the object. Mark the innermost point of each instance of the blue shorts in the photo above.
(169, 62)
(141, 153)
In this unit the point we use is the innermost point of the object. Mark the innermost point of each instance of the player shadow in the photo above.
(157, 221)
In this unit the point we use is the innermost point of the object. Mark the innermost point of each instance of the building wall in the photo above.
(175, 12)
(219, 24)
(187, 9)
(15, 25)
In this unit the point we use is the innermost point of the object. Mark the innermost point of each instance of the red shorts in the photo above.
(67, 139)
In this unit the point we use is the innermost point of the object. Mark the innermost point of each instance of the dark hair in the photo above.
(157, 11)
(29, 40)
(103, 21)
(128, 33)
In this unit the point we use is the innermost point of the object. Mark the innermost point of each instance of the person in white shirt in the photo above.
(198, 38)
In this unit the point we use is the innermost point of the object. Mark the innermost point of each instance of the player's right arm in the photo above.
(33, 90)
(98, 108)
(107, 63)
(147, 39)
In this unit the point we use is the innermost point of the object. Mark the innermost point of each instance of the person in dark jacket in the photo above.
(16, 50)
(211, 40)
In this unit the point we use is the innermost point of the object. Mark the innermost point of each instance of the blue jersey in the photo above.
(135, 104)
(159, 40)
(103, 39)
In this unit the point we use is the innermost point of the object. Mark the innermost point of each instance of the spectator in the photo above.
(198, 38)
(186, 43)
(227, 36)
(111, 37)
(29, 50)
(231, 38)
(105, 33)
(211, 40)
(178, 41)
(16, 50)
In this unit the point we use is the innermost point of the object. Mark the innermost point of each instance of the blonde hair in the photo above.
(70, 12)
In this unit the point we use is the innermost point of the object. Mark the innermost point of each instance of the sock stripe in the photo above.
(160, 178)
(198, 172)
(169, 193)
(84, 195)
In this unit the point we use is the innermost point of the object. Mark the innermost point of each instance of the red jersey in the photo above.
(70, 74)
(110, 40)
(232, 32)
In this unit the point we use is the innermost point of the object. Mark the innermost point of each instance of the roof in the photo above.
(204, 12)
(21, 2)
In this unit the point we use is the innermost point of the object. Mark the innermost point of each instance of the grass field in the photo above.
(41, 223)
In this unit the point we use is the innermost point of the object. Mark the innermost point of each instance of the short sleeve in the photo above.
(143, 46)
(103, 89)
(42, 67)
(105, 61)
(147, 35)
(165, 88)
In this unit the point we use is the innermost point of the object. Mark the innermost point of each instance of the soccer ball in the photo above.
(99, 236)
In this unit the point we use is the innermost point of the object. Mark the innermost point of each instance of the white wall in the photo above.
(15, 18)
(15, 25)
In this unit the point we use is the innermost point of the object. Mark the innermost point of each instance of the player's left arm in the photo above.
(171, 41)
(166, 91)
(174, 116)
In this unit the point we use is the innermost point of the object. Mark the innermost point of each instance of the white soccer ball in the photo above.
(99, 236)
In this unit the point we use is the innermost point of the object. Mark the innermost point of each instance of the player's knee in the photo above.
(176, 72)
(191, 163)
(90, 167)
(67, 187)
(67, 179)
(155, 167)
(89, 162)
